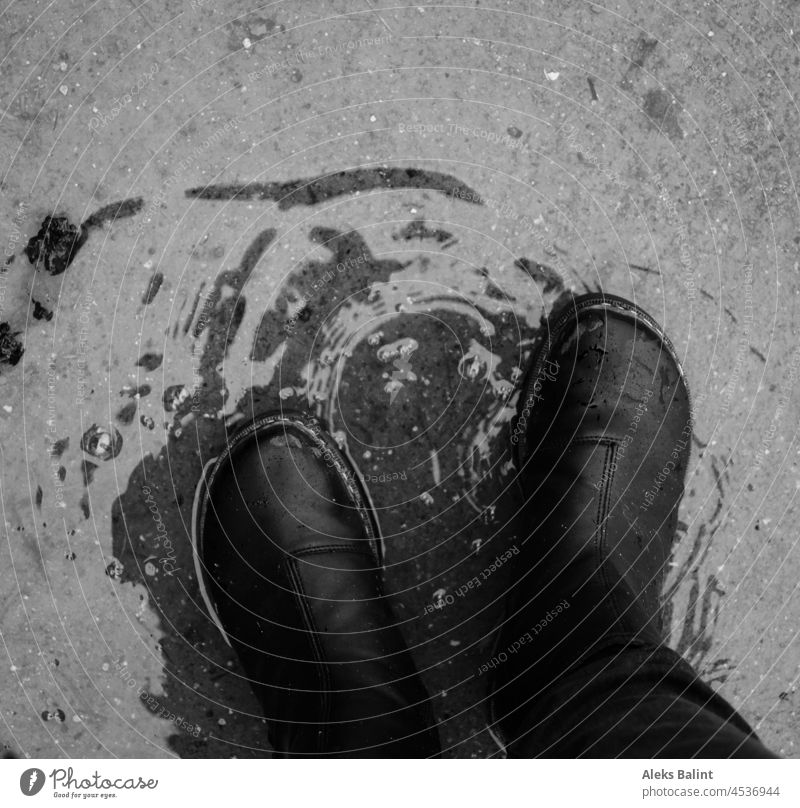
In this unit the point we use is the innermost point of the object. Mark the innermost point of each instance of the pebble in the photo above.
(101, 443)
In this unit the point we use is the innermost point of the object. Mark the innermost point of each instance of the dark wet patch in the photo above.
(127, 413)
(705, 593)
(40, 312)
(59, 447)
(11, 348)
(103, 443)
(318, 189)
(39, 495)
(642, 51)
(56, 244)
(514, 132)
(232, 308)
(87, 471)
(419, 230)
(84, 506)
(114, 211)
(152, 288)
(62, 473)
(662, 109)
(646, 270)
(541, 273)
(150, 361)
(492, 290)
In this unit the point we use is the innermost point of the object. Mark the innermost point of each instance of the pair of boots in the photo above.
(289, 556)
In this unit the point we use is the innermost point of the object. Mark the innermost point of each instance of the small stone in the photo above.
(247, 43)
(222, 722)
(63, 89)
(102, 443)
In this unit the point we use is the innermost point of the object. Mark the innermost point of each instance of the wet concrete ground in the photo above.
(366, 211)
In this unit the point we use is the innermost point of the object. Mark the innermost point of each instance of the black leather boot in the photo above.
(288, 557)
(602, 442)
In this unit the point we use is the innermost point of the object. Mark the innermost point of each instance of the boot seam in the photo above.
(321, 666)
(334, 548)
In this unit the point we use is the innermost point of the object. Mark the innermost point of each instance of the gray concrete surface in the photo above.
(643, 149)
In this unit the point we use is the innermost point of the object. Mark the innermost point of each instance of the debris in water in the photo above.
(437, 471)
(174, 396)
(135, 392)
(56, 244)
(101, 443)
(10, 347)
(399, 349)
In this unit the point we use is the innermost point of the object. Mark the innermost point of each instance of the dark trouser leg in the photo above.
(633, 702)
